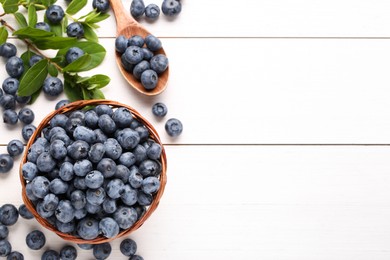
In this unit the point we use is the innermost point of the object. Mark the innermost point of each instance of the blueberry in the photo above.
(88, 228)
(103, 109)
(136, 257)
(108, 227)
(5, 248)
(140, 153)
(171, 7)
(42, 211)
(66, 227)
(58, 186)
(14, 67)
(152, 11)
(91, 119)
(80, 213)
(15, 148)
(10, 117)
(96, 152)
(34, 59)
(45, 162)
(101, 6)
(62, 103)
(151, 185)
(136, 40)
(106, 124)
(10, 86)
(24, 212)
(6, 163)
(137, 8)
(64, 212)
(50, 255)
(34, 152)
(113, 149)
(122, 117)
(96, 196)
(140, 68)
(26, 115)
(29, 192)
(102, 251)
(135, 179)
(129, 196)
(8, 214)
(127, 159)
(7, 101)
(7, 50)
(154, 151)
(148, 54)
(3, 232)
(153, 43)
(173, 127)
(1, 93)
(86, 246)
(15, 255)
(73, 54)
(159, 63)
(56, 130)
(58, 150)
(72, 123)
(126, 65)
(121, 44)
(122, 173)
(115, 188)
(22, 99)
(133, 54)
(79, 183)
(42, 141)
(85, 134)
(93, 209)
(75, 30)
(143, 133)
(78, 199)
(107, 167)
(59, 120)
(159, 109)
(144, 199)
(52, 86)
(125, 217)
(128, 138)
(35, 240)
(78, 114)
(50, 202)
(54, 14)
(149, 79)
(68, 253)
(94, 179)
(109, 205)
(42, 26)
(28, 131)
(78, 150)
(82, 167)
(128, 247)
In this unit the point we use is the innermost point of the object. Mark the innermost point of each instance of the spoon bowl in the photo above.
(128, 27)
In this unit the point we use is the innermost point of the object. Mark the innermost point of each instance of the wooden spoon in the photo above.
(127, 26)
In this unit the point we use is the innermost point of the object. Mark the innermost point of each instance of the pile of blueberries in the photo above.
(152, 11)
(36, 240)
(141, 61)
(93, 172)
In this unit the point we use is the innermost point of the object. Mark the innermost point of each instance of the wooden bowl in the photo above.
(156, 197)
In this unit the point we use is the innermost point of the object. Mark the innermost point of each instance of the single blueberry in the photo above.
(64, 212)
(136, 40)
(135, 178)
(14, 67)
(34, 152)
(28, 131)
(10, 86)
(78, 114)
(58, 186)
(8, 214)
(50, 202)
(126, 65)
(45, 162)
(78, 199)
(106, 124)
(140, 68)
(152, 11)
(173, 127)
(107, 167)
(10, 117)
(148, 54)
(67, 228)
(62, 103)
(80, 213)
(53, 86)
(82, 167)
(115, 188)
(122, 173)
(72, 123)
(5, 248)
(128, 247)
(85, 134)
(7, 101)
(58, 149)
(143, 133)
(42, 211)
(101, 6)
(171, 7)
(68, 253)
(108, 227)
(91, 119)
(159, 63)
(151, 185)
(96, 152)
(26, 115)
(73, 54)
(79, 183)
(137, 8)
(59, 120)
(154, 151)
(15, 255)
(153, 43)
(122, 117)
(88, 228)
(149, 79)
(93, 209)
(56, 130)
(127, 159)
(15, 148)
(50, 255)
(103, 109)
(96, 196)
(94, 179)
(109, 206)
(3, 231)
(144, 199)
(22, 99)
(40, 186)
(34, 59)
(7, 50)
(121, 44)
(42, 26)
(125, 217)
(78, 150)
(35, 240)
(29, 192)
(128, 138)
(134, 54)
(24, 212)
(140, 153)
(102, 251)
(113, 149)
(75, 29)
(159, 109)
(129, 195)
(54, 14)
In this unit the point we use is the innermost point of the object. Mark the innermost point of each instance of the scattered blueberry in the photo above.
(14, 67)
(50, 255)
(137, 8)
(10, 117)
(24, 212)
(73, 54)
(152, 11)
(5, 248)
(128, 247)
(3, 231)
(136, 257)
(35, 240)
(10, 86)
(101, 6)
(6, 163)
(174, 127)
(102, 251)
(75, 29)
(159, 109)
(7, 50)
(7, 101)
(54, 14)
(15, 255)
(171, 7)
(42, 26)
(53, 86)
(68, 253)
(15, 148)
(28, 131)
(26, 115)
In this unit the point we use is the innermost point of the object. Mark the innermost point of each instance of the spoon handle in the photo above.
(123, 19)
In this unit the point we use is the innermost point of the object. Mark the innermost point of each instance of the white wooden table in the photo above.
(285, 150)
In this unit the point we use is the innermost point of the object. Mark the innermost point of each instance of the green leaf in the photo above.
(89, 33)
(32, 33)
(33, 79)
(32, 16)
(92, 15)
(98, 18)
(56, 29)
(73, 93)
(80, 64)
(64, 23)
(26, 56)
(3, 35)
(48, 3)
(21, 20)
(76, 6)
(11, 6)
(35, 96)
(96, 81)
(55, 43)
(53, 71)
(97, 94)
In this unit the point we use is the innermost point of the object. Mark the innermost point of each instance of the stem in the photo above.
(1, 15)
(31, 45)
(71, 17)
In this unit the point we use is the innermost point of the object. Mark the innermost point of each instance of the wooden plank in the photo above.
(225, 202)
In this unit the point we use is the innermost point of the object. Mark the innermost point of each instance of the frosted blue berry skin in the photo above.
(58, 149)
(73, 54)
(35, 240)
(50, 255)
(78, 150)
(152, 11)
(58, 120)
(127, 159)
(122, 173)
(3, 231)
(101, 6)
(109, 206)
(136, 257)
(15, 255)
(53, 86)
(149, 79)
(14, 67)
(128, 138)
(135, 178)
(45, 162)
(85, 246)
(84, 133)
(102, 251)
(122, 117)
(78, 199)
(128, 247)
(68, 253)
(125, 217)
(62, 103)
(55, 14)
(75, 30)
(50, 202)
(107, 124)
(134, 55)
(154, 151)
(136, 40)
(121, 44)
(24, 212)
(6, 163)
(10, 86)
(94, 179)
(96, 197)
(7, 101)
(159, 109)
(15, 148)
(26, 115)
(82, 167)
(64, 212)
(159, 63)
(107, 167)
(96, 152)
(137, 8)
(42, 211)
(108, 227)
(58, 186)
(140, 68)
(7, 50)
(22, 99)
(8, 214)
(171, 7)
(40, 186)
(113, 149)
(129, 196)
(153, 43)
(5, 248)
(10, 117)
(144, 199)
(28, 131)
(173, 127)
(34, 59)
(115, 188)
(88, 228)
(103, 109)
(42, 26)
